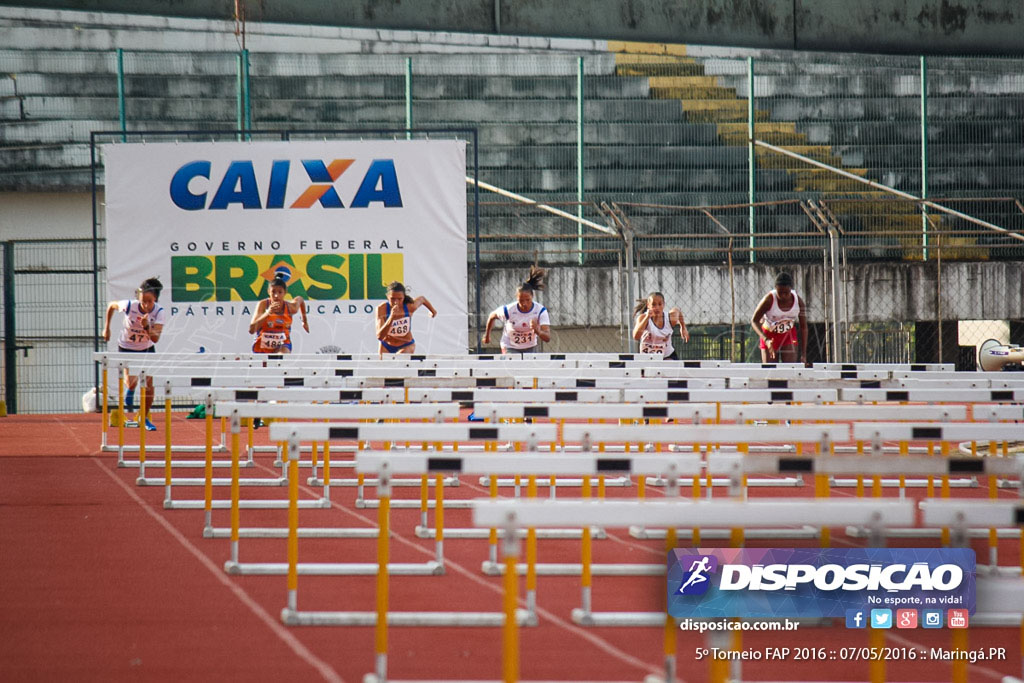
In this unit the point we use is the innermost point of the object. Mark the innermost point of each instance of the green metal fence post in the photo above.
(408, 98)
(121, 115)
(246, 102)
(579, 154)
(10, 345)
(751, 160)
(924, 156)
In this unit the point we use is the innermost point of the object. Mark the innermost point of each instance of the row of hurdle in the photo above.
(674, 443)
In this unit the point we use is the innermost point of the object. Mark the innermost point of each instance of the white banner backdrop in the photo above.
(213, 221)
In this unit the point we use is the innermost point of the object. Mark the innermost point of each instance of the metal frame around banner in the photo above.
(285, 135)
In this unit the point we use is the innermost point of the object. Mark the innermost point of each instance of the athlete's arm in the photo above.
(641, 323)
(384, 320)
(755, 320)
(111, 307)
(675, 317)
(486, 339)
(422, 301)
(258, 316)
(154, 330)
(298, 305)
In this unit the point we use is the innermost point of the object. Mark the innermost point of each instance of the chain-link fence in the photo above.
(48, 333)
(692, 171)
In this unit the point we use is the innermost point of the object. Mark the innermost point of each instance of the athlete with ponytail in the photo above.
(653, 328)
(526, 321)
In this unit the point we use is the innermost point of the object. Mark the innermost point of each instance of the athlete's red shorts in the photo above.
(779, 339)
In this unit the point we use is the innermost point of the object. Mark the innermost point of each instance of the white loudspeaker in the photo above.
(992, 355)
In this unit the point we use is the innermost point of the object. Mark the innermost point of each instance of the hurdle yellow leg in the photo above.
(104, 408)
(293, 526)
(120, 418)
(250, 436)
(510, 630)
(142, 426)
(167, 446)
(327, 469)
(821, 490)
(696, 494)
(959, 665)
(381, 632)
(208, 469)
(586, 553)
(424, 499)
(235, 428)
(670, 633)
(531, 552)
(876, 668)
(492, 538)
(439, 516)
(944, 492)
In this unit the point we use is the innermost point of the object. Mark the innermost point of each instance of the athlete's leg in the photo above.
(787, 354)
(411, 348)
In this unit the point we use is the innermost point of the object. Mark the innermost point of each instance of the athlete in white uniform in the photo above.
(653, 328)
(144, 321)
(526, 321)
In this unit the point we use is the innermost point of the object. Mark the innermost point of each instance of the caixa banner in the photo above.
(817, 582)
(216, 222)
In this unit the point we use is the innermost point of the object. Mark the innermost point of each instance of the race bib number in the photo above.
(400, 328)
(523, 338)
(780, 326)
(648, 347)
(272, 340)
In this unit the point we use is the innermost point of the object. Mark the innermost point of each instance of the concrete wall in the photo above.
(888, 26)
(44, 215)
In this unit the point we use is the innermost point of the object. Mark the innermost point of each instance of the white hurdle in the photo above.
(671, 466)
(617, 513)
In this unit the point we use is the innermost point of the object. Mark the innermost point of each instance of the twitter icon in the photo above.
(881, 618)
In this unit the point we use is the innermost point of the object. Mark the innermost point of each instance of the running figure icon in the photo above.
(697, 570)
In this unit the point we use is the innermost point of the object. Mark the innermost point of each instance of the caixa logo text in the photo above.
(193, 187)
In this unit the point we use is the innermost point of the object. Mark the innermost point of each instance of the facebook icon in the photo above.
(855, 618)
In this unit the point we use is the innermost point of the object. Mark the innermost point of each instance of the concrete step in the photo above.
(32, 132)
(648, 180)
(888, 108)
(275, 87)
(61, 59)
(342, 110)
(720, 111)
(1002, 81)
(982, 131)
(656, 65)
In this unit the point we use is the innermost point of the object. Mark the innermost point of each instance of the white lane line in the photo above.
(325, 670)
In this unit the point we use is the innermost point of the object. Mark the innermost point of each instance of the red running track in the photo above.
(99, 582)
